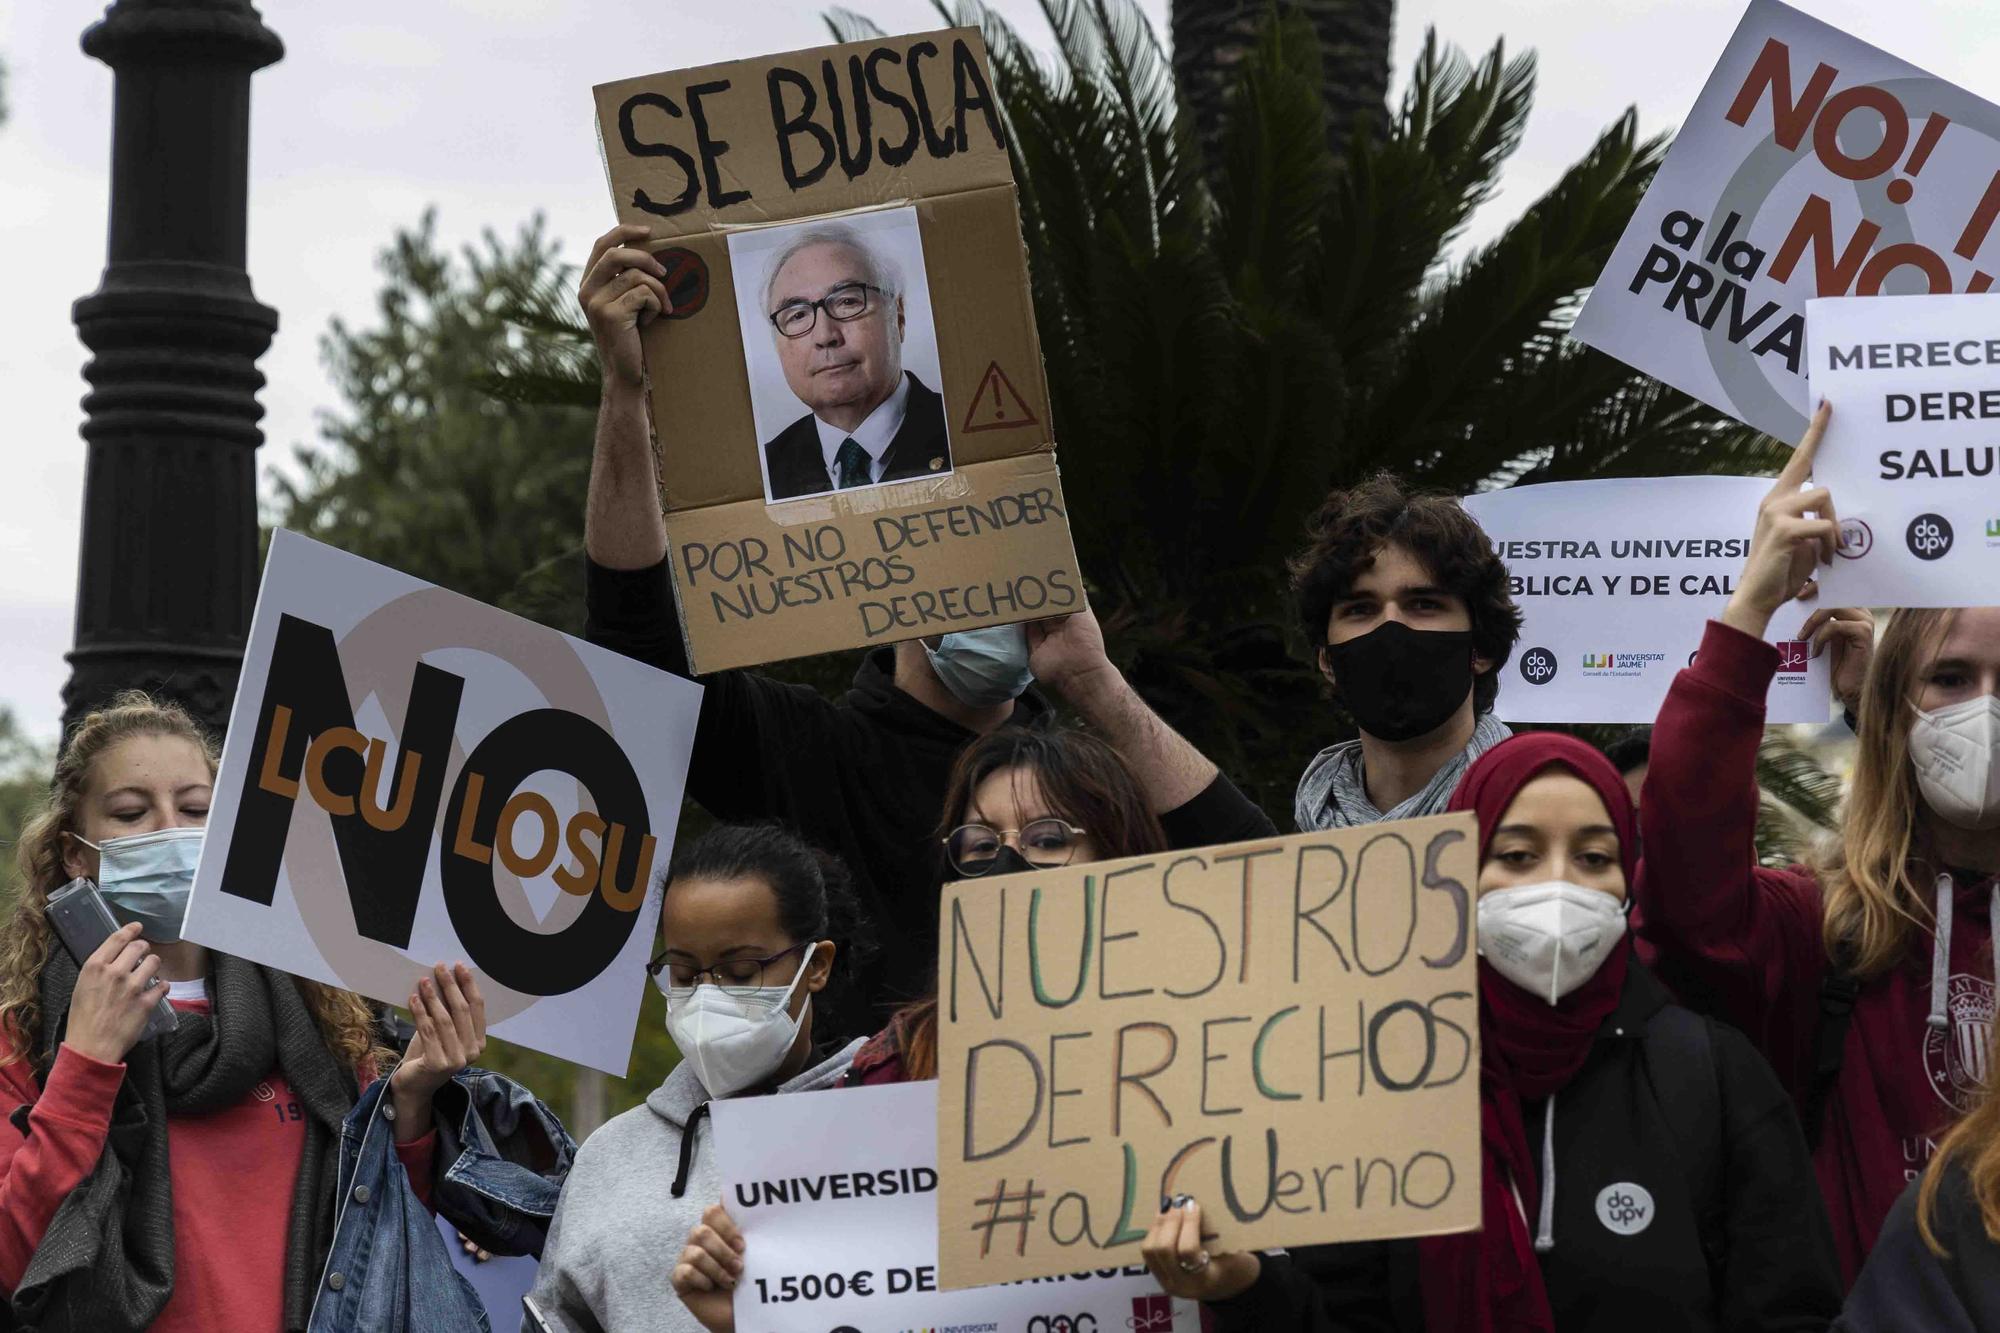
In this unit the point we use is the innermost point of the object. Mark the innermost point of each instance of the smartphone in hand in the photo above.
(78, 913)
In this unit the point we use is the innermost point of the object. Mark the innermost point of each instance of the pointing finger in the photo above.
(1800, 465)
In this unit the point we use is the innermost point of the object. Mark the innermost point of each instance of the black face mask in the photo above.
(1008, 862)
(1400, 682)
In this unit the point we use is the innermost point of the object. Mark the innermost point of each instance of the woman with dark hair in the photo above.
(1019, 800)
(1641, 1168)
(754, 926)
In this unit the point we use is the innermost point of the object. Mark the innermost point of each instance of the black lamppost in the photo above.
(169, 558)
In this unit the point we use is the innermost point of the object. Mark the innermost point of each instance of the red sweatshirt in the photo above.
(233, 1174)
(1746, 942)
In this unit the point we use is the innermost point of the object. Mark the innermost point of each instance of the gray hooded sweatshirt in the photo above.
(609, 1259)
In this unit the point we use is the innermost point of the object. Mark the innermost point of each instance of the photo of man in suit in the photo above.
(836, 312)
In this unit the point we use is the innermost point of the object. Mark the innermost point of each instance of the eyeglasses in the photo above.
(1045, 843)
(732, 976)
(795, 319)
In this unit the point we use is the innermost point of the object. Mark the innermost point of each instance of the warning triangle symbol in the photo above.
(996, 406)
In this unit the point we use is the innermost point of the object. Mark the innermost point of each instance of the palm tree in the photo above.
(1224, 346)
(1213, 37)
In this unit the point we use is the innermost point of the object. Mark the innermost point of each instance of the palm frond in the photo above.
(844, 25)
(1496, 314)
(1273, 180)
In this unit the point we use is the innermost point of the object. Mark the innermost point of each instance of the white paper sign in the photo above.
(1909, 453)
(836, 1196)
(411, 776)
(1615, 580)
(1812, 164)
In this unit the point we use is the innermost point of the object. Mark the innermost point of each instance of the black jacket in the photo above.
(1904, 1286)
(798, 467)
(1670, 1103)
(863, 778)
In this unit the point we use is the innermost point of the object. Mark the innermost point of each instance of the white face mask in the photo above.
(1549, 938)
(734, 1041)
(1952, 750)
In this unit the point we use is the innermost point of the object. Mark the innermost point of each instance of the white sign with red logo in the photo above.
(1615, 580)
(1812, 164)
(836, 1195)
(1910, 453)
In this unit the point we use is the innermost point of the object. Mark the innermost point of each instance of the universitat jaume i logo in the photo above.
(1619, 664)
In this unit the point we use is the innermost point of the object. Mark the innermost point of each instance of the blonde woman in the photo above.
(190, 1181)
(1867, 976)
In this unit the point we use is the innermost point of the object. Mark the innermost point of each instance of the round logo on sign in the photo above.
(1538, 666)
(1856, 539)
(1929, 536)
(1625, 1208)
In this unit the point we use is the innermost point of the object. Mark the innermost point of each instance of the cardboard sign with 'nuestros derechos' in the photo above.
(1287, 1030)
(848, 395)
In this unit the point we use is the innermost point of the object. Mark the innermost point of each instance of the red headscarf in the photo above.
(1489, 1281)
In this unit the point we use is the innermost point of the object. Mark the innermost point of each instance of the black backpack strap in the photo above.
(1837, 991)
(1680, 1056)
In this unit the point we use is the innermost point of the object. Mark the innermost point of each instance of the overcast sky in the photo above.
(482, 108)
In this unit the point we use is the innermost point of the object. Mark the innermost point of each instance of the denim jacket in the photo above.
(503, 1157)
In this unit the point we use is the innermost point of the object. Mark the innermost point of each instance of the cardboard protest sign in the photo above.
(1909, 452)
(411, 777)
(1615, 580)
(1813, 164)
(849, 400)
(1287, 1030)
(836, 1196)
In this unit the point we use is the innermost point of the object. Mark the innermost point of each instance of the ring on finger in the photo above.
(1200, 1262)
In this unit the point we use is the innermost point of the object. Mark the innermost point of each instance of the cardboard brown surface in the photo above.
(1286, 1030)
(700, 157)
(918, 558)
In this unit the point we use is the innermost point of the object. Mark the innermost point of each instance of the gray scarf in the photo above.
(106, 1264)
(1333, 795)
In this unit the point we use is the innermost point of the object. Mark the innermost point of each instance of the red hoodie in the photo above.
(1746, 943)
(233, 1172)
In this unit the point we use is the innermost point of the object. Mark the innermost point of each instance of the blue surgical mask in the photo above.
(147, 877)
(983, 667)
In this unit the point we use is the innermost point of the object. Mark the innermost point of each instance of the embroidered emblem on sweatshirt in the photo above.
(1956, 1056)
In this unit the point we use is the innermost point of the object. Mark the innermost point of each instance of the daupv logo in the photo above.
(1538, 666)
(1929, 536)
(1625, 1208)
